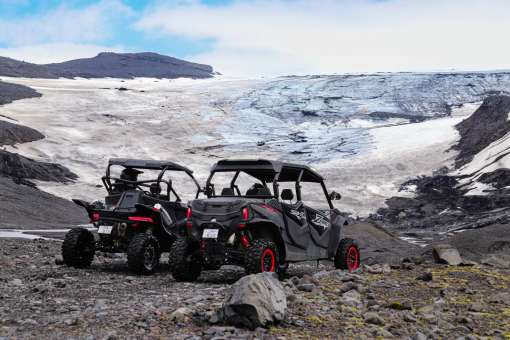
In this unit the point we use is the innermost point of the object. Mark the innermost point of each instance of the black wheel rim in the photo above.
(149, 257)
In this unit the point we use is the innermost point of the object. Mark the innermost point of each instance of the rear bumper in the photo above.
(225, 230)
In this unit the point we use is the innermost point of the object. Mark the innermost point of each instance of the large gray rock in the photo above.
(254, 301)
(446, 254)
(498, 261)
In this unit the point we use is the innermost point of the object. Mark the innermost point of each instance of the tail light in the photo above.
(246, 214)
(246, 217)
(189, 223)
(95, 217)
(140, 219)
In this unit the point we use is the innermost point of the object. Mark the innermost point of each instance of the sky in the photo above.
(267, 37)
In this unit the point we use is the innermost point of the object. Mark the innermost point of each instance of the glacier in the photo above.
(365, 133)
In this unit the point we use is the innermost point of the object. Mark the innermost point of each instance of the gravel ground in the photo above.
(40, 299)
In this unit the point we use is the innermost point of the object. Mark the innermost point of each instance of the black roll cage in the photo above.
(210, 190)
(107, 179)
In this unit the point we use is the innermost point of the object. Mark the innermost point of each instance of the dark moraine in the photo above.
(11, 133)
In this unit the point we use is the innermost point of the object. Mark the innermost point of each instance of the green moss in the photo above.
(398, 305)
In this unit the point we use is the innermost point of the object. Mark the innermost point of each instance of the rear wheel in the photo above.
(261, 256)
(347, 255)
(78, 248)
(143, 254)
(184, 260)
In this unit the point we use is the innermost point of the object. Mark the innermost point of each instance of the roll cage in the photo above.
(162, 166)
(267, 171)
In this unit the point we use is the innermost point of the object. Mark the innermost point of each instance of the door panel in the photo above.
(320, 226)
(297, 224)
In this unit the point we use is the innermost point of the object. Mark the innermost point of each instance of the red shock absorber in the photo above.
(189, 223)
(244, 241)
(243, 238)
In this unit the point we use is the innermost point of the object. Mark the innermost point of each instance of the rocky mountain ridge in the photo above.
(109, 64)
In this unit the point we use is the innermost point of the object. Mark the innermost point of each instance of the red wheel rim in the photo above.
(268, 261)
(352, 258)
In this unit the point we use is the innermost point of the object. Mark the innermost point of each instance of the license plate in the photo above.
(210, 233)
(105, 229)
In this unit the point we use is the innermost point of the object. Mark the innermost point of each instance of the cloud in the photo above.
(55, 52)
(92, 23)
(327, 36)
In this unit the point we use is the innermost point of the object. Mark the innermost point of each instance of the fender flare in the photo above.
(86, 205)
(273, 229)
(337, 222)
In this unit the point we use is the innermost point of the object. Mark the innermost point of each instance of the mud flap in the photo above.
(337, 221)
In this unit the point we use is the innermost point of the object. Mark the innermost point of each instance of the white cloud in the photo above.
(55, 52)
(327, 36)
(65, 24)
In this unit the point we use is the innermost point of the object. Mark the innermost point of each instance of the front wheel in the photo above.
(261, 256)
(78, 248)
(348, 255)
(143, 254)
(184, 260)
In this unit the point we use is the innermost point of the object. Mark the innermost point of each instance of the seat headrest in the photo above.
(155, 188)
(287, 195)
(227, 192)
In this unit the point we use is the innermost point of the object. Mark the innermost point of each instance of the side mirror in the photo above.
(287, 195)
(335, 196)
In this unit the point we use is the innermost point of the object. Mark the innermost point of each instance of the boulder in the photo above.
(378, 268)
(446, 254)
(374, 319)
(255, 301)
(425, 276)
(501, 261)
(181, 314)
(352, 298)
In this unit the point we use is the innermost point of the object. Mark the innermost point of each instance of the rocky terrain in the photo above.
(108, 64)
(11, 92)
(409, 299)
(473, 192)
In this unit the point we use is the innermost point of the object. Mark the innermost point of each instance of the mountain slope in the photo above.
(114, 65)
(15, 68)
(488, 124)
(130, 65)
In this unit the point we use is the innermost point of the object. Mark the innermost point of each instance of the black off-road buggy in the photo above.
(261, 229)
(139, 217)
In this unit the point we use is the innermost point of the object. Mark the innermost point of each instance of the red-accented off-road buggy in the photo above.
(264, 228)
(139, 217)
